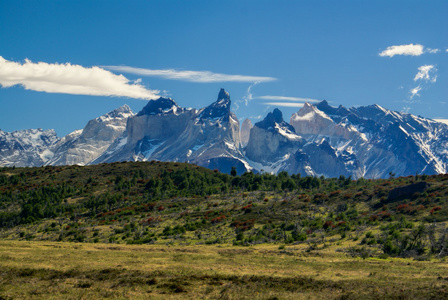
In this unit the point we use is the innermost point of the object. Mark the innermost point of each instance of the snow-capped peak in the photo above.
(307, 113)
(122, 112)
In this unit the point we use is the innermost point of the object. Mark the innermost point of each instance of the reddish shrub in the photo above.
(434, 209)
(218, 219)
(243, 225)
(403, 207)
(335, 193)
(328, 224)
(150, 206)
(246, 207)
(384, 214)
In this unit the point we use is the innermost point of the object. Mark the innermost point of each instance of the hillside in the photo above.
(183, 204)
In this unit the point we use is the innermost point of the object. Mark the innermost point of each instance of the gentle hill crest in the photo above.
(178, 203)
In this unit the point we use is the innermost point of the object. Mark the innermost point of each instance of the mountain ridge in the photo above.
(367, 141)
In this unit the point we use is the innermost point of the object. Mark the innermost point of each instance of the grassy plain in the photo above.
(61, 270)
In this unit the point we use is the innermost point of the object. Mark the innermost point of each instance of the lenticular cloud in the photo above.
(70, 79)
(191, 76)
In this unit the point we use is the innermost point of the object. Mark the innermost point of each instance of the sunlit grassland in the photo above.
(52, 270)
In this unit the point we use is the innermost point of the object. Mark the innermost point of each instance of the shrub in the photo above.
(434, 209)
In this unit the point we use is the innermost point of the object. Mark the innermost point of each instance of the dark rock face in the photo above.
(272, 119)
(160, 106)
(218, 109)
(407, 191)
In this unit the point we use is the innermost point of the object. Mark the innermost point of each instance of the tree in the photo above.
(233, 171)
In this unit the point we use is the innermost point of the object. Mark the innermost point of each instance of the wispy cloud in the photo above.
(425, 76)
(248, 97)
(411, 49)
(426, 73)
(414, 92)
(70, 79)
(405, 109)
(283, 98)
(432, 51)
(191, 76)
(285, 101)
(284, 104)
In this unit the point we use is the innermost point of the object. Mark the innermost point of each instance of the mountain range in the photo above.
(367, 141)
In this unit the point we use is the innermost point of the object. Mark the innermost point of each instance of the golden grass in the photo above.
(51, 270)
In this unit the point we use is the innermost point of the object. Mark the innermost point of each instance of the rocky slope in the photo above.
(275, 146)
(245, 132)
(375, 142)
(164, 131)
(27, 148)
(271, 143)
(83, 146)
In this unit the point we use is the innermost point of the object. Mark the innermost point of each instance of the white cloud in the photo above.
(406, 109)
(284, 101)
(426, 73)
(70, 79)
(432, 51)
(283, 98)
(411, 49)
(414, 91)
(284, 104)
(192, 76)
(248, 97)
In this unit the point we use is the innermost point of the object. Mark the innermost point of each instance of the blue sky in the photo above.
(63, 63)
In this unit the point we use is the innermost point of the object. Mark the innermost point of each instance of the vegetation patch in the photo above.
(181, 208)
